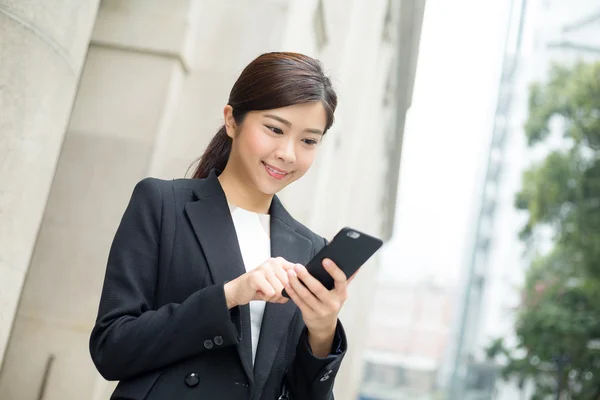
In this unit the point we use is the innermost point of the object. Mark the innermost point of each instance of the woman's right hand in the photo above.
(265, 282)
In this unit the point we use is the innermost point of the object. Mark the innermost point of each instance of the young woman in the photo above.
(191, 306)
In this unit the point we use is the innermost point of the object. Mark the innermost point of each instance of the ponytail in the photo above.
(215, 156)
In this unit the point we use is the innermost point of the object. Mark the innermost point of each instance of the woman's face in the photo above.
(273, 148)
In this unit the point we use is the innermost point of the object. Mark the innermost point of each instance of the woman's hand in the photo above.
(320, 307)
(265, 282)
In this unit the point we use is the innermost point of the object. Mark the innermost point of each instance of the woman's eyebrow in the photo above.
(289, 124)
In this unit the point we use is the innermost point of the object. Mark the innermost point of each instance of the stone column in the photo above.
(42, 49)
(138, 56)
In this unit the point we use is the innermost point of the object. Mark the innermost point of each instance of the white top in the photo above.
(254, 237)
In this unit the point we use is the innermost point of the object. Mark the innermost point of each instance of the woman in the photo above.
(191, 306)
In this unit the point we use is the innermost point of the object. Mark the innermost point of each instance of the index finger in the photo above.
(285, 264)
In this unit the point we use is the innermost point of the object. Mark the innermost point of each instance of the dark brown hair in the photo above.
(273, 80)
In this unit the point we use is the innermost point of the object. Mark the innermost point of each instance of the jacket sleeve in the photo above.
(131, 336)
(312, 377)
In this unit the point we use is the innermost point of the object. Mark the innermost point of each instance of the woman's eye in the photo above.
(275, 130)
(310, 142)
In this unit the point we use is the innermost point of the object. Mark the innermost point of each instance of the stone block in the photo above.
(121, 94)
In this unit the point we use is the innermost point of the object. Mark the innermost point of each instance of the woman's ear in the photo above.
(230, 125)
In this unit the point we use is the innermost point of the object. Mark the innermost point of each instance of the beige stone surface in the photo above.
(197, 117)
(158, 27)
(119, 112)
(346, 188)
(150, 98)
(229, 37)
(93, 181)
(42, 47)
(70, 376)
(34, 114)
(63, 25)
(11, 283)
(90, 192)
(114, 91)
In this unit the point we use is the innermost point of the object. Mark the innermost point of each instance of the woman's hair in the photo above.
(273, 80)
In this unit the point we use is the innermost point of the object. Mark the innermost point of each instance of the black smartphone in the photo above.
(349, 249)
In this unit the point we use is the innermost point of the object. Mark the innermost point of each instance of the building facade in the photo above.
(96, 95)
(408, 333)
(541, 32)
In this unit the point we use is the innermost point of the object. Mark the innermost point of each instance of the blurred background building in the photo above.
(408, 335)
(447, 129)
(97, 95)
(541, 32)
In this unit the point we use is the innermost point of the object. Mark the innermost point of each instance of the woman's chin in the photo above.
(271, 187)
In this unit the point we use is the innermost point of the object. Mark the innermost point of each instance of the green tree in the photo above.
(560, 311)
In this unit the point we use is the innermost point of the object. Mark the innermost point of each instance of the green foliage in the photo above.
(560, 310)
(571, 93)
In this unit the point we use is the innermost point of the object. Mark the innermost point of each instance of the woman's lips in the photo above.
(275, 172)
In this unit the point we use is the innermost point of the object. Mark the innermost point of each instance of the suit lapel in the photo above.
(286, 243)
(212, 223)
(211, 220)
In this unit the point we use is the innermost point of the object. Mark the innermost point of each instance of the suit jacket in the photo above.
(163, 328)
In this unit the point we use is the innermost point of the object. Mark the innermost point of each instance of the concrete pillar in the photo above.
(42, 49)
(151, 96)
(228, 38)
(139, 54)
(343, 188)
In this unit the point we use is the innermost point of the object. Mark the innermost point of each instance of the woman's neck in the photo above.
(240, 194)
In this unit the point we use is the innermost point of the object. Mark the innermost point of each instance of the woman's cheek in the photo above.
(262, 144)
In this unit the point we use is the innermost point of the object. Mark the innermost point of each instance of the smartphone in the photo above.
(349, 249)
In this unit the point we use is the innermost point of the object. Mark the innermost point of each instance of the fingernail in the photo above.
(292, 273)
(327, 262)
(298, 268)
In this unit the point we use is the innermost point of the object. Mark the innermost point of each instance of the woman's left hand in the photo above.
(320, 307)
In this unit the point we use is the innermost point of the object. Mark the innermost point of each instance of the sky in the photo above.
(446, 139)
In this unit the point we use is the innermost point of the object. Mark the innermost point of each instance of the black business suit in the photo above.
(163, 327)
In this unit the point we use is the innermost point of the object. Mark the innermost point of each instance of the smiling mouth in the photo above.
(275, 172)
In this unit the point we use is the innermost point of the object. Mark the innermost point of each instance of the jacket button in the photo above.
(325, 376)
(192, 379)
(219, 340)
(208, 344)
